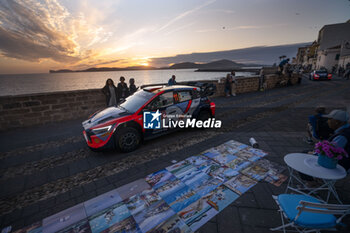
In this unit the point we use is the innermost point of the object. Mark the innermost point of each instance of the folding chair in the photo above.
(308, 214)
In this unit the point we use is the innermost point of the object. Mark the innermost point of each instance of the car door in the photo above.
(161, 103)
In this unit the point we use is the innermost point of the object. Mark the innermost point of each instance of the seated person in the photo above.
(338, 120)
(317, 127)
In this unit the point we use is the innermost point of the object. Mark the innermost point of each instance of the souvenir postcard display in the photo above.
(179, 198)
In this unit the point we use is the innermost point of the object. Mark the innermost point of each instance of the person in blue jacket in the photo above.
(172, 80)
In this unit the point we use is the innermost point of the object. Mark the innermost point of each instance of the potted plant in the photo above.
(329, 154)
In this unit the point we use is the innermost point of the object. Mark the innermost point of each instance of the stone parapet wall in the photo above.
(36, 109)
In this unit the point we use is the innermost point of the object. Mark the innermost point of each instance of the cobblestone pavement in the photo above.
(46, 169)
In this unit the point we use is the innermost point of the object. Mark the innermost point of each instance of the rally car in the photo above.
(123, 127)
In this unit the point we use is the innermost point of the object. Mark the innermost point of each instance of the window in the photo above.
(184, 96)
(164, 100)
(135, 101)
(337, 57)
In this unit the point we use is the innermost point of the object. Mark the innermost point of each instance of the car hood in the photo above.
(104, 116)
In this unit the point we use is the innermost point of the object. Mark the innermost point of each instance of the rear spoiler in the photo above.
(206, 89)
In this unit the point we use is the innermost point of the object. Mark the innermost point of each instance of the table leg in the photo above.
(332, 190)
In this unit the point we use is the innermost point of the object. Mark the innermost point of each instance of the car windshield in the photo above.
(136, 101)
(321, 71)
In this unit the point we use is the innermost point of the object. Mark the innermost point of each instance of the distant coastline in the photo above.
(220, 65)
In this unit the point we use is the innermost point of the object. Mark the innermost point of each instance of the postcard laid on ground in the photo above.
(247, 155)
(159, 178)
(225, 158)
(197, 214)
(235, 145)
(240, 184)
(154, 215)
(34, 228)
(206, 186)
(101, 202)
(141, 200)
(182, 198)
(221, 197)
(197, 160)
(181, 169)
(64, 218)
(255, 171)
(274, 175)
(211, 153)
(208, 166)
(224, 149)
(111, 218)
(197, 180)
(255, 151)
(174, 224)
(224, 173)
(82, 226)
(172, 186)
(238, 164)
(132, 188)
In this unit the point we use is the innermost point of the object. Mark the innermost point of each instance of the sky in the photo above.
(38, 35)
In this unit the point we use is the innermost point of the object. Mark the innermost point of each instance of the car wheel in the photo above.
(127, 139)
(203, 115)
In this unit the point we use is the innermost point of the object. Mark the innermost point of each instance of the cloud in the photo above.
(242, 27)
(34, 30)
(257, 55)
(184, 14)
(179, 28)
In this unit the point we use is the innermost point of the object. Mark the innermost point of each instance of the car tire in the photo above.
(203, 115)
(127, 139)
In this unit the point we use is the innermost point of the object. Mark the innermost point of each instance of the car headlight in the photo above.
(102, 130)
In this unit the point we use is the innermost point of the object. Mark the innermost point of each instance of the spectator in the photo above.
(282, 64)
(123, 90)
(132, 87)
(318, 127)
(172, 80)
(233, 86)
(338, 120)
(111, 93)
(228, 85)
(347, 74)
(261, 79)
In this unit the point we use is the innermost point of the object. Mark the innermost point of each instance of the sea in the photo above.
(19, 84)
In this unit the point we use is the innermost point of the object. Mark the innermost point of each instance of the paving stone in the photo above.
(247, 200)
(101, 183)
(76, 192)
(105, 189)
(62, 198)
(89, 195)
(12, 186)
(250, 229)
(35, 180)
(209, 227)
(229, 220)
(58, 172)
(78, 166)
(31, 210)
(89, 187)
(263, 196)
(48, 203)
(259, 217)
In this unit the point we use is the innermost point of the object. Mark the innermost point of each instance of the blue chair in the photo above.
(308, 214)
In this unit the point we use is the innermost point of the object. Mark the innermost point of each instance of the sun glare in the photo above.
(144, 64)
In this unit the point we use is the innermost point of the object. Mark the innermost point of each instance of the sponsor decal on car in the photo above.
(155, 120)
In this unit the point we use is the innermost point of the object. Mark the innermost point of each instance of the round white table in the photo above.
(307, 164)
